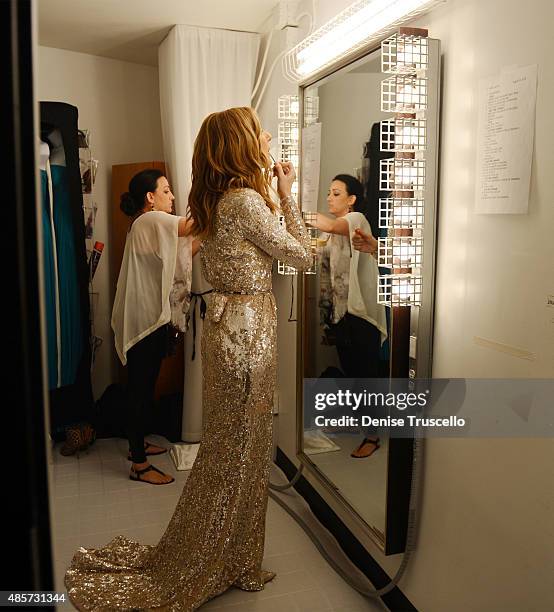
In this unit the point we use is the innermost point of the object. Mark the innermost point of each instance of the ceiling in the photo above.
(131, 30)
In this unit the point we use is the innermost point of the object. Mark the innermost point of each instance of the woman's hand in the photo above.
(185, 227)
(363, 242)
(284, 171)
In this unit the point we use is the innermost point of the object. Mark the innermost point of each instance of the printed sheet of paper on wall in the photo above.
(311, 155)
(505, 139)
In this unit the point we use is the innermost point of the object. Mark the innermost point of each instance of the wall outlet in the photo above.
(275, 402)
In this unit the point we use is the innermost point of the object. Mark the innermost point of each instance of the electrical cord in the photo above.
(413, 520)
(278, 58)
(262, 67)
(291, 320)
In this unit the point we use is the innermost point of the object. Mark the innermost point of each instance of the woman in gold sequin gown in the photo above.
(215, 538)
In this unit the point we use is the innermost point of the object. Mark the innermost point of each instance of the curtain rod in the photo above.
(188, 25)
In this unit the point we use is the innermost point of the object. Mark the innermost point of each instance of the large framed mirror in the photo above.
(347, 132)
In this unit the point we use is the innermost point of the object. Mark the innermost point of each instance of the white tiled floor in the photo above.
(93, 500)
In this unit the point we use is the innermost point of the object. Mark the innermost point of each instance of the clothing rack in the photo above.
(87, 167)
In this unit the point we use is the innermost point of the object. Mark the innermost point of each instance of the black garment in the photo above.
(144, 360)
(372, 150)
(358, 343)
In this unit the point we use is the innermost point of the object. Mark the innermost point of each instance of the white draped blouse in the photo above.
(353, 277)
(154, 281)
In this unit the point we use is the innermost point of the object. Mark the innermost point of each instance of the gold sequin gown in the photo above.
(215, 538)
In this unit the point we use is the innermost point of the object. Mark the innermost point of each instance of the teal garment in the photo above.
(50, 288)
(68, 283)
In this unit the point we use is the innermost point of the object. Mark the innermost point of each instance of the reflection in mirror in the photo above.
(347, 330)
(368, 187)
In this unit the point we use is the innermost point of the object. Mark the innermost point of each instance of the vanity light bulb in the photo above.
(403, 253)
(402, 291)
(408, 93)
(411, 215)
(406, 177)
(405, 215)
(294, 134)
(406, 54)
(294, 107)
(408, 136)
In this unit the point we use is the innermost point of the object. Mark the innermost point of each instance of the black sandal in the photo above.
(136, 475)
(364, 442)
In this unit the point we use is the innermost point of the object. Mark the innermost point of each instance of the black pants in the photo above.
(143, 366)
(358, 343)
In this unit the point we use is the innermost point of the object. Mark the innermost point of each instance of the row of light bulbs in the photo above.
(405, 57)
(288, 143)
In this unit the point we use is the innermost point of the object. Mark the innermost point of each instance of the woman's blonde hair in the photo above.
(227, 155)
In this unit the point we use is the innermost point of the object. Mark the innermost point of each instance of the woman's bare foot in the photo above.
(145, 472)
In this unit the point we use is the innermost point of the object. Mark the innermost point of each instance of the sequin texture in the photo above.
(215, 538)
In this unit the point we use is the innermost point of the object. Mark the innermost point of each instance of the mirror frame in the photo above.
(400, 450)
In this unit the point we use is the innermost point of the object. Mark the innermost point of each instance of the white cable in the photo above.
(279, 57)
(311, 18)
(262, 67)
(413, 516)
(257, 105)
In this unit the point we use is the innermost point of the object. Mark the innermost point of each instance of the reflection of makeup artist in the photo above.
(364, 242)
(353, 315)
(348, 299)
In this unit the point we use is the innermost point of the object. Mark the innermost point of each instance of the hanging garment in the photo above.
(148, 294)
(215, 538)
(71, 326)
(373, 156)
(49, 269)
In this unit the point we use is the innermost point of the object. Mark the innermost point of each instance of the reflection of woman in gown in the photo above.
(216, 535)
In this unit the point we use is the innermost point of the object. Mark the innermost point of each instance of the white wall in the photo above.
(119, 102)
(486, 540)
(355, 98)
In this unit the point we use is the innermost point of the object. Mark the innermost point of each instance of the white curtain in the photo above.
(201, 71)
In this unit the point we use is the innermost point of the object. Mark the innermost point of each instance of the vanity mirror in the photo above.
(374, 136)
